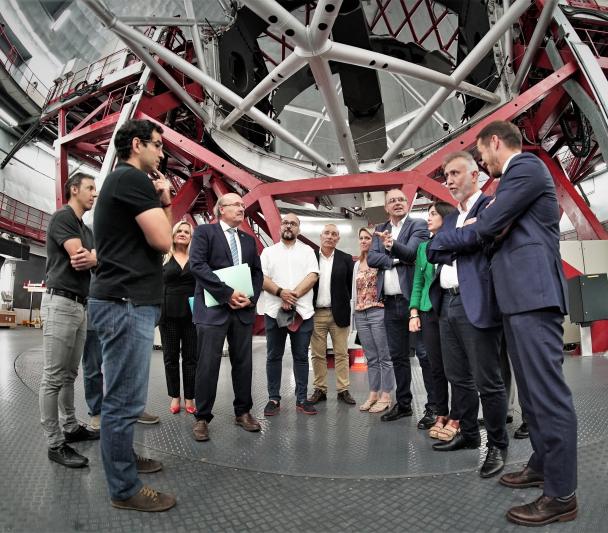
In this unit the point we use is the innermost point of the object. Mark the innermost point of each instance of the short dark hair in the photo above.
(507, 132)
(142, 129)
(443, 208)
(74, 181)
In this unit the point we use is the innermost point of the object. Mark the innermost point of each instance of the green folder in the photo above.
(238, 277)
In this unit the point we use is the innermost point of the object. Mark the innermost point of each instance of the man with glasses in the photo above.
(132, 227)
(216, 246)
(290, 271)
(393, 250)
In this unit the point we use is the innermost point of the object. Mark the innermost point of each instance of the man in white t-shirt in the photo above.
(290, 271)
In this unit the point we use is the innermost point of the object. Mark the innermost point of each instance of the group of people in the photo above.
(491, 268)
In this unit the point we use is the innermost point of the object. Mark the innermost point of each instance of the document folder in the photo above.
(238, 277)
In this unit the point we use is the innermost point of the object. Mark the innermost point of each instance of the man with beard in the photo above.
(290, 272)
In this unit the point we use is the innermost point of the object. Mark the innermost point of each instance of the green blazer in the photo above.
(423, 276)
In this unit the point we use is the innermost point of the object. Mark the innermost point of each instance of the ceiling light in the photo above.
(7, 118)
(62, 18)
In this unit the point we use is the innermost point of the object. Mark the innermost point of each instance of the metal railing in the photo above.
(22, 219)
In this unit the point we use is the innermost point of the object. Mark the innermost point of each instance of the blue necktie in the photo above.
(233, 247)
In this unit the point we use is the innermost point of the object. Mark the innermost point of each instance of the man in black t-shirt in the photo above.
(132, 225)
(70, 256)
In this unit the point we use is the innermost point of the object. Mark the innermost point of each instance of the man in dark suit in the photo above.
(469, 323)
(393, 251)
(531, 293)
(216, 246)
(331, 300)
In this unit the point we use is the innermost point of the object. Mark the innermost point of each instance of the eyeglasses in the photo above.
(291, 223)
(396, 199)
(157, 144)
(235, 204)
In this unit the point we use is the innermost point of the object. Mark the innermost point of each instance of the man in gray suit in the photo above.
(393, 251)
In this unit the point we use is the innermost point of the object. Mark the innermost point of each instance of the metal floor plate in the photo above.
(340, 470)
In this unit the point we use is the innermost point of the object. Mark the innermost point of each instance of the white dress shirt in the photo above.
(448, 277)
(325, 266)
(391, 276)
(225, 227)
(287, 266)
(506, 165)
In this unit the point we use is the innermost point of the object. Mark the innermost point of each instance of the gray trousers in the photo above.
(372, 334)
(64, 328)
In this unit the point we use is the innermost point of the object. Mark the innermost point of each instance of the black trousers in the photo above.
(210, 345)
(178, 336)
(535, 343)
(432, 340)
(471, 358)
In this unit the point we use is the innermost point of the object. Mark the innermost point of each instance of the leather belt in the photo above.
(454, 291)
(393, 296)
(68, 294)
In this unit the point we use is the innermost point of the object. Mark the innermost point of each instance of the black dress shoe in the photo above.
(345, 397)
(522, 432)
(459, 442)
(82, 433)
(523, 479)
(543, 511)
(396, 413)
(427, 421)
(494, 463)
(67, 456)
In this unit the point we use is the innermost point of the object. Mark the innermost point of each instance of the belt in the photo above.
(317, 308)
(393, 296)
(454, 291)
(68, 294)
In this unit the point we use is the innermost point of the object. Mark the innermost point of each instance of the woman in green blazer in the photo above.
(423, 317)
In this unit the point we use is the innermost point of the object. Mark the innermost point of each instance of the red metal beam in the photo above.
(98, 130)
(185, 197)
(61, 163)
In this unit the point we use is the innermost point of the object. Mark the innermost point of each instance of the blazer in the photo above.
(209, 251)
(526, 266)
(404, 249)
(424, 273)
(473, 267)
(340, 287)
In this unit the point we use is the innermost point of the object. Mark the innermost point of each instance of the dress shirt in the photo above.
(506, 165)
(391, 277)
(448, 277)
(287, 266)
(225, 228)
(325, 266)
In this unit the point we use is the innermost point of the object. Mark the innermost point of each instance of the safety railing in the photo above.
(22, 219)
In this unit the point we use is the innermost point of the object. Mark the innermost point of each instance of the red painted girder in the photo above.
(61, 163)
(548, 112)
(92, 114)
(102, 129)
(156, 106)
(509, 111)
(578, 212)
(185, 197)
(199, 155)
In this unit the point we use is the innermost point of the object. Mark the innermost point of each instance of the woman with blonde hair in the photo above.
(368, 313)
(178, 333)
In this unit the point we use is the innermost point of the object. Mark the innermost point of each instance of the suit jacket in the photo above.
(526, 265)
(340, 287)
(209, 251)
(404, 249)
(473, 267)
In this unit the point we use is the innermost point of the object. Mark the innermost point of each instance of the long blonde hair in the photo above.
(370, 233)
(170, 253)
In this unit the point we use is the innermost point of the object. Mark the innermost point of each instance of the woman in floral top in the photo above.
(369, 321)
(423, 317)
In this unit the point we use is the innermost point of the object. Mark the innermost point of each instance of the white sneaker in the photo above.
(95, 422)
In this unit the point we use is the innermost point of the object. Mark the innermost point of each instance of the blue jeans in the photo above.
(91, 371)
(275, 348)
(126, 334)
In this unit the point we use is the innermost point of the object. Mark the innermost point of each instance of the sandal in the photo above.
(379, 406)
(449, 431)
(366, 406)
(439, 424)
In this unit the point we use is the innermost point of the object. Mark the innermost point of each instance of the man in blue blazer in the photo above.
(531, 293)
(393, 252)
(469, 323)
(216, 246)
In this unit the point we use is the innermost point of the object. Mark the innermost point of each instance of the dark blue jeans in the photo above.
(126, 334)
(275, 348)
(91, 371)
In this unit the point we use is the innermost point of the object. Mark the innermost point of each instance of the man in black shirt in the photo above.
(70, 256)
(132, 230)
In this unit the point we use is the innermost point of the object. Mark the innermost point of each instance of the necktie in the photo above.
(233, 247)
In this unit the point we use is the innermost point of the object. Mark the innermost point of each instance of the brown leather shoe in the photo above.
(201, 430)
(247, 422)
(543, 511)
(523, 479)
(318, 396)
